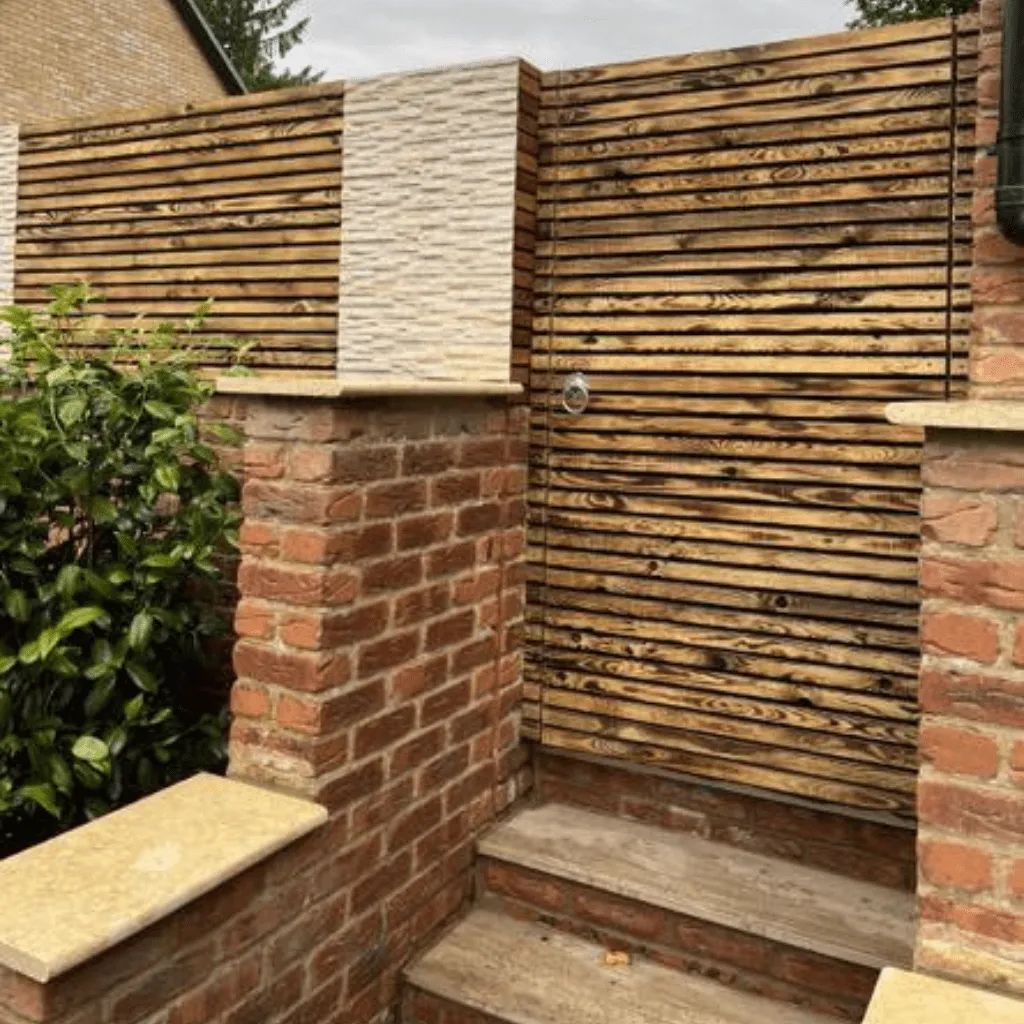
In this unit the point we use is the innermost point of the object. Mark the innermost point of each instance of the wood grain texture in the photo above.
(801, 907)
(511, 970)
(237, 202)
(746, 252)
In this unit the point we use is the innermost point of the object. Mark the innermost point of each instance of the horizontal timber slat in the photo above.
(748, 253)
(608, 703)
(156, 148)
(712, 604)
(721, 693)
(867, 577)
(715, 765)
(651, 727)
(843, 42)
(895, 532)
(668, 524)
(237, 202)
(792, 83)
(554, 150)
(167, 165)
(760, 629)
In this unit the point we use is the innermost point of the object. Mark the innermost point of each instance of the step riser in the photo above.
(420, 1007)
(867, 851)
(742, 961)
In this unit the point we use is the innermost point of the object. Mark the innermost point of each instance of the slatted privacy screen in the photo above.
(749, 253)
(238, 201)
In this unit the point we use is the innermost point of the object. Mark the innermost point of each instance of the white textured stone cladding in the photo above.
(8, 214)
(8, 209)
(428, 223)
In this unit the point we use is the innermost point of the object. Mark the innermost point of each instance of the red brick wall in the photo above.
(971, 794)
(379, 672)
(997, 345)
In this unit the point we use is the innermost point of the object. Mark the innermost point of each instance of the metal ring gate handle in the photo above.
(576, 394)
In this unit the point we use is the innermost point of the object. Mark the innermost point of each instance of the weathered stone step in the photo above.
(804, 908)
(493, 967)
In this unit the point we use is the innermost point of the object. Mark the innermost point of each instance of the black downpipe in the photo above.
(1010, 188)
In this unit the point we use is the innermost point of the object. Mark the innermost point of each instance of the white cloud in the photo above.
(355, 38)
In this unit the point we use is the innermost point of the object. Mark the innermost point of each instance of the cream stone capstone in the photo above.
(322, 387)
(974, 415)
(428, 225)
(68, 900)
(904, 998)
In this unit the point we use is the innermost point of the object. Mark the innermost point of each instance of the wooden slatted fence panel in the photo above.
(238, 201)
(749, 253)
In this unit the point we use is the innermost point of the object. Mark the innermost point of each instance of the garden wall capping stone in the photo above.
(905, 998)
(71, 899)
(312, 387)
(975, 415)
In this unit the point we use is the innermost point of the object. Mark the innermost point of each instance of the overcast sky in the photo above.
(355, 38)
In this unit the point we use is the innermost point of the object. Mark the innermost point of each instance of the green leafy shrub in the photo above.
(114, 512)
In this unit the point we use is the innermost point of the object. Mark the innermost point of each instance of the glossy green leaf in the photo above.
(142, 677)
(17, 606)
(61, 775)
(72, 410)
(161, 562)
(42, 794)
(100, 694)
(67, 580)
(91, 749)
(160, 410)
(29, 653)
(168, 477)
(79, 618)
(140, 631)
(134, 708)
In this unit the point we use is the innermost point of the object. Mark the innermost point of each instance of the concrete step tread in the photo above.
(807, 908)
(523, 973)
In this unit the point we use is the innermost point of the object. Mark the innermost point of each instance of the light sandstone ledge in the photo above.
(323, 387)
(973, 415)
(903, 998)
(69, 900)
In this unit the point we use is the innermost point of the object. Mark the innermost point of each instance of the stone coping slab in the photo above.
(903, 998)
(976, 415)
(317, 387)
(68, 900)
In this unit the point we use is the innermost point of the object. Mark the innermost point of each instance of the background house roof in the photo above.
(215, 53)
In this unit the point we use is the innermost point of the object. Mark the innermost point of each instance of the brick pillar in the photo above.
(378, 663)
(971, 795)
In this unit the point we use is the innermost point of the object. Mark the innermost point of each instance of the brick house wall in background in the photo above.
(77, 58)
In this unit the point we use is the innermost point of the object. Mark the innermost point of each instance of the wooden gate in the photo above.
(749, 253)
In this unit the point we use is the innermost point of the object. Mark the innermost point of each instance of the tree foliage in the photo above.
(256, 34)
(875, 13)
(114, 513)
